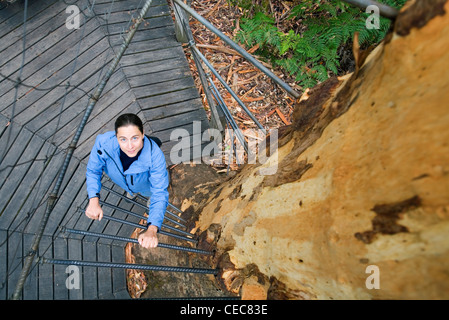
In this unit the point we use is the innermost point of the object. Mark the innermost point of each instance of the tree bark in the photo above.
(362, 182)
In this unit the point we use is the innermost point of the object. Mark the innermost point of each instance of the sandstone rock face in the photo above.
(362, 180)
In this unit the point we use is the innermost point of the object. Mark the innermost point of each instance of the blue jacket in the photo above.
(147, 175)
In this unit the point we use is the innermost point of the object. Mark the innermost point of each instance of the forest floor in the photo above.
(270, 104)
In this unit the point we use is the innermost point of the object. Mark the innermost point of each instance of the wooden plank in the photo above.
(46, 54)
(155, 66)
(48, 31)
(64, 209)
(8, 11)
(164, 87)
(151, 45)
(15, 182)
(125, 230)
(101, 226)
(60, 251)
(75, 105)
(31, 285)
(6, 144)
(83, 222)
(16, 148)
(170, 135)
(55, 214)
(3, 125)
(46, 289)
(154, 62)
(160, 77)
(65, 134)
(150, 25)
(178, 120)
(15, 254)
(104, 274)
(90, 274)
(127, 5)
(118, 228)
(168, 98)
(189, 150)
(73, 216)
(118, 275)
(30, 193)
(115, 87)
(75, 253)
(162, 112)
(117, 17)
(149, 56)
(111, 104)
(35, 203)
(48, 71)
(161, 32)
(3, 264)
(46, 107)
(10, 22)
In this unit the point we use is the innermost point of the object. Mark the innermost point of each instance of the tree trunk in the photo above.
(358, 207)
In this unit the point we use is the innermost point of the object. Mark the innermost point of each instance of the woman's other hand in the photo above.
(148, 239)
(94, 210)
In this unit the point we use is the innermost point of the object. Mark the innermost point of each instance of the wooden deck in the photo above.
(152, 80)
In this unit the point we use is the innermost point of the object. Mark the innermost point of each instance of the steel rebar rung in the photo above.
(127, 266)
(144, 227)
(119, 238)
(138, 215)
(143, 206)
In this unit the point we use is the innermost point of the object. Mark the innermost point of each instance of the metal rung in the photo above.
(144, 227)
(119, 238)
(169, 204)
(141, 205)
(127, 266)
(177, 230)
(138, 215)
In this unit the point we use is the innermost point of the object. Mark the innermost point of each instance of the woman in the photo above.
(136, 164)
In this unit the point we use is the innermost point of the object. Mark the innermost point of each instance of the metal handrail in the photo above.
(223, 82)
(221, 114)
(384, 10)
(237, 48)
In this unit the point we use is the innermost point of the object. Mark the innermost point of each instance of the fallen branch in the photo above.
(281, 115)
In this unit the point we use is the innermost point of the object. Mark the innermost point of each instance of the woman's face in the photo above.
(130, 139)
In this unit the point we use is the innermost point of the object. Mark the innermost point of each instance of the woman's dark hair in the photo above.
(128, 119)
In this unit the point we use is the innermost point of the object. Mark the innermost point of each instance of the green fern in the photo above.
(311, 56)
